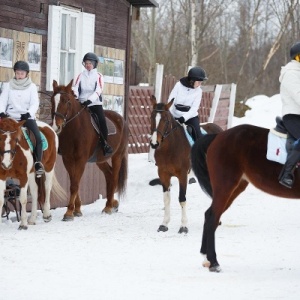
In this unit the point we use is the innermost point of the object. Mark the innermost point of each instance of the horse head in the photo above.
(10, 135)
(162, 122)
(63, 105)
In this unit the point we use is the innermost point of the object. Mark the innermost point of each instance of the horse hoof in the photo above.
(23, 227)
(68, 218)
(162, 228)
(183, 230)
(215, 268)
(47, 219)
(77, 214)
(192, 180)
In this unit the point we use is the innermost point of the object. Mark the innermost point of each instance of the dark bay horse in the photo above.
(17, 162)
(172, 156)
(77, 142)
(225, 164)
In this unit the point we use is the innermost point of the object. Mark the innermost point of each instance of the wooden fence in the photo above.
(217, 106)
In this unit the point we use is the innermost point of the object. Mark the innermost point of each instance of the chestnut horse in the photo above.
(172, 156)
(17, 162)
(78, 141)
(225, 164)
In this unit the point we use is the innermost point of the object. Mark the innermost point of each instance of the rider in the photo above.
(187, 94)
(19, 100)
(88, 88)
(289, 92)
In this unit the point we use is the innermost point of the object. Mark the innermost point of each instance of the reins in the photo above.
(65, 117)
(165, 132)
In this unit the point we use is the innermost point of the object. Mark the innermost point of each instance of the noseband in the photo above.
(65, 116)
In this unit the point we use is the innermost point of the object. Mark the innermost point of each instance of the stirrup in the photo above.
(39, 169)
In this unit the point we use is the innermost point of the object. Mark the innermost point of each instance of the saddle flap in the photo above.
(111, 128)
(31, 141)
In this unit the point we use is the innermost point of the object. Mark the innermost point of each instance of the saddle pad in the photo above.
(110, 127)
(276, 148)
(188, 136)
(29, 142)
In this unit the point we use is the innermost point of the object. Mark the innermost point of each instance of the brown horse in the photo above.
(78, 141)
(172, 156)
(17, 162)
(225, 164)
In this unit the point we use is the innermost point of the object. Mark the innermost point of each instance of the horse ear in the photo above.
(170, 104)
(54, 84)
(69, 86)
(153, 100)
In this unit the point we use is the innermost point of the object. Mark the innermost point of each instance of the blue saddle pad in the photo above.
(44, 140)
(189, 137)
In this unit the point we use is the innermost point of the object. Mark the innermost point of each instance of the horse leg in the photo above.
(182, 202)
(111, 178)
(77, 210)
(165, 179)
(75, 174)
(34, 198)
(46, 207)
(23, 201)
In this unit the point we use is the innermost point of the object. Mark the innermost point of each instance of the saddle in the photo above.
(31, 141)
(280, 142)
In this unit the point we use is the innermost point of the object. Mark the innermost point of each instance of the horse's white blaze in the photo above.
(167, 200)
(6, 161)
(183, 214)
(154, 135)
(56, 101)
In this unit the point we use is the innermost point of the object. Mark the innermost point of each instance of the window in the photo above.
(70, 36)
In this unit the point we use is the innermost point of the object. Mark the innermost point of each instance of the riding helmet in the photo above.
(197, 74)
(92, 57)
(21, 65)
(295, 49)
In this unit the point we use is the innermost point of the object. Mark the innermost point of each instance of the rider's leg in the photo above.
(194, 123)
(38, 151)
(98, 111)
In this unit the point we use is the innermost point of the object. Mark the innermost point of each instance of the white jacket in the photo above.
(185, 96)
(89, 86)
(290, 88)
(17, 102)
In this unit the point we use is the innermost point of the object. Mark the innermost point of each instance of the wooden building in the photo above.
(53, 36)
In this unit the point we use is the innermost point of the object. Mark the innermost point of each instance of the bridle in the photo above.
(11, 151)
(168, 124)
(65, 116)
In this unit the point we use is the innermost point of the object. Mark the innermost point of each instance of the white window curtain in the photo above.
(71, 34)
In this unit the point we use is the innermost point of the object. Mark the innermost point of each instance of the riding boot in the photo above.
(97, 110)
(39, 168)
(286, 176)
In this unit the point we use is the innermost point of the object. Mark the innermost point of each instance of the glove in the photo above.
(180, 120)
(86, 103)
(3, 115)
(25, 116)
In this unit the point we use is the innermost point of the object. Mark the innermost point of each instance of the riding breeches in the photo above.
(194, 123)
(32, 126)
(98, 111)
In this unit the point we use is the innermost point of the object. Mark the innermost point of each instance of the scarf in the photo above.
(20, 84)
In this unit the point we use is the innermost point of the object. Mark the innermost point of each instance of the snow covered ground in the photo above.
(122, 256)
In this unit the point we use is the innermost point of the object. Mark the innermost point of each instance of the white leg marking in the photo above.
(23, 201)
(184, 219)
(167, 200)
(34, 195)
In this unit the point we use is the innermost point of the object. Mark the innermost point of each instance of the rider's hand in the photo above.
(86, 103)
(25, 116)
(180, 120)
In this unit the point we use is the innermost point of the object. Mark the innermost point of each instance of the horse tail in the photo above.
(57, 190)
(122, 179)
(199, 165)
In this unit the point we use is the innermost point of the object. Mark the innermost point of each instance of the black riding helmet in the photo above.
(21, 65)
(197, 74)
(295, 49)
(92, 57)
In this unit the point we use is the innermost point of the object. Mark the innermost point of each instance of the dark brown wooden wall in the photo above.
(112, 21)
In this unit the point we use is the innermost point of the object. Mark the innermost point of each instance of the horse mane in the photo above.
(199, 165)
